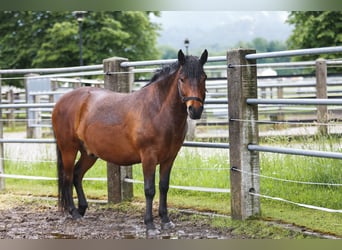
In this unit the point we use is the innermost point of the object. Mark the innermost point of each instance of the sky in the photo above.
(222, 29)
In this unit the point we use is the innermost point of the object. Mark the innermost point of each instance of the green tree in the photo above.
(50, 39)
(59, 47)
(263, 45)
(314, 29)
(168, 52)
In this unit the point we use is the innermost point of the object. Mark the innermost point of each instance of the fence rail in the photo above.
(49, 70)
(292, 151)
(298, 52)
(295, 101)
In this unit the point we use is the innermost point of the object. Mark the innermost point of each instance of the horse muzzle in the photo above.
(194, 106)
(195, 112)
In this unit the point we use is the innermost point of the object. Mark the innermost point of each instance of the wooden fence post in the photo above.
(118, 79)
(321, 92)
(243, 130)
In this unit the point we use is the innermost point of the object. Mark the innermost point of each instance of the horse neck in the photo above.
(169, 98)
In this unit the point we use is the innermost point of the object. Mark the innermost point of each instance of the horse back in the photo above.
(69, 109)
(116, 127)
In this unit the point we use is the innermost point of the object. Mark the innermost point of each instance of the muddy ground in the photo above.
(42, 220)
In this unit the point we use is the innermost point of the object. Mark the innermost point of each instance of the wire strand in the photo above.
(290, 181)
(287, 122)
(26, 160)
(329, 210)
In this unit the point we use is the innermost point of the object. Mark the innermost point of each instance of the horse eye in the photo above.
(181, 79)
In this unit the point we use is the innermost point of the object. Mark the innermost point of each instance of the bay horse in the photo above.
(147, 126)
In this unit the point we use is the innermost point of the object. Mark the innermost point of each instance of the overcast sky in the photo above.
(220, 28)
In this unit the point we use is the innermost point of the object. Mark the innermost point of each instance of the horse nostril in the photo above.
(195, 113)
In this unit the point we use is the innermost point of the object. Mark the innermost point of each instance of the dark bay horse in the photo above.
(147, 126)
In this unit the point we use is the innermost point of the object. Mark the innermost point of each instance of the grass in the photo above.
(210, 168)
(257, 229)
(304, 169)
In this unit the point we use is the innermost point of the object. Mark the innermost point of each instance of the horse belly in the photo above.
(121, 157)
(113, 147)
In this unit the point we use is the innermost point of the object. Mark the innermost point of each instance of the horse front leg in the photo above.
(164, 181)
(150, 191)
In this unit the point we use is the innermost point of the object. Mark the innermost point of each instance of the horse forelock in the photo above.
(192, 67)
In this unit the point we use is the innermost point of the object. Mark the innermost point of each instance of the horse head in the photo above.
(191, 82)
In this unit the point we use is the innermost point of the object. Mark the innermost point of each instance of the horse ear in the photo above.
(204, 57)
(181, 57)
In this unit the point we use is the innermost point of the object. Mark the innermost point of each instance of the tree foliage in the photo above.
(263, 45)
(51, 39)
(314, 29)
(168, 52)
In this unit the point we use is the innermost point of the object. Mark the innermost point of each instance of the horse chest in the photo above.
(164, 143)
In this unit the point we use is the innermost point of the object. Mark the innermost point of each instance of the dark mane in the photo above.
(164, 71)
(192, 69)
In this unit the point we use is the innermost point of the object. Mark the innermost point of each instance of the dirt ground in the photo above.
(42, 220)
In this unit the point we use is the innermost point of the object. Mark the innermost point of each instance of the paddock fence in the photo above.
(236, 78)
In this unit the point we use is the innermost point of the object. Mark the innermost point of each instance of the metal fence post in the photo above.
(243, 130)
(2, 168)
(31, 114)
(321, 92)
(118, 79)
(10, 112)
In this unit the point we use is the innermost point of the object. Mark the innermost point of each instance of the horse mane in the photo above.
(166, 70)
(192, 68)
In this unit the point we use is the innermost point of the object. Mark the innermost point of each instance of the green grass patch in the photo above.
(257, 229)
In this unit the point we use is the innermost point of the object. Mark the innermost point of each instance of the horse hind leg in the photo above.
(65, 166)
(83, 164)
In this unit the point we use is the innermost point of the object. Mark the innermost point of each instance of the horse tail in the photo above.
(62, 203)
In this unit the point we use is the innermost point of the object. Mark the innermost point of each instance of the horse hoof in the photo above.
(167, 225)
(76, 215)
(82, 210)
(152, 232)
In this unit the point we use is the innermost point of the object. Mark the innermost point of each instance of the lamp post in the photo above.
(79, 16)
(186, 44)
